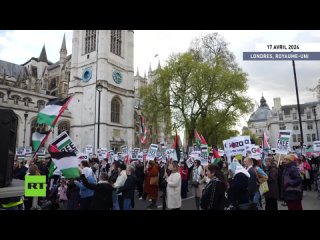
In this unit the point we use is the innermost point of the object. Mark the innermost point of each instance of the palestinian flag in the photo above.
(197, 138)
(66, 162)
(53, 110)
(216, 156)
(52, 168)
(38, 139)
(203, 141)
(143, 130)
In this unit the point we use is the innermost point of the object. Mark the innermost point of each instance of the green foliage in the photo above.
(200, 88)
(247, 132)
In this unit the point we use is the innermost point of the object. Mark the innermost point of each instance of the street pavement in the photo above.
(309, 202)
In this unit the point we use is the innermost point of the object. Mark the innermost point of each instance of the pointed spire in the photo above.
(150, 68)
(137, 72)
(63, 45)
(43, 55)
(159, 66)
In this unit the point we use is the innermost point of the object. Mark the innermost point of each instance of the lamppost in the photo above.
(315, 119)
(298, 103)
(99, 89)
(24, 130)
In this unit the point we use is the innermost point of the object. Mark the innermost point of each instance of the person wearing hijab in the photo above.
(86, 194)
(238, 192)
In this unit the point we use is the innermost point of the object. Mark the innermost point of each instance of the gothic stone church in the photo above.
(103, 57)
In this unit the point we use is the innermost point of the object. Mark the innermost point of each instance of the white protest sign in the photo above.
(64, 143)
(89, 149)
(140, 156)
(124, 149)
(255, 151)
(134, 153)
(316, 146)
(41, 151)
(189, 162)
(152, 152)
(283, 143)
(28, 151)
(173, 154)
(20, 151)
(237, 145)
(204, 151)
(247, 142)
(83, 157)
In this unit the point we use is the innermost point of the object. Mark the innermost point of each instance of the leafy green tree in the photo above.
(197, 85)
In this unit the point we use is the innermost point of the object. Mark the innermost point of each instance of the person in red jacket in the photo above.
(183, 169)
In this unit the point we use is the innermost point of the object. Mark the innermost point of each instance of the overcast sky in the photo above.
(274, 79)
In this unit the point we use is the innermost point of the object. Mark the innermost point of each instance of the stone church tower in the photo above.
(105, 57)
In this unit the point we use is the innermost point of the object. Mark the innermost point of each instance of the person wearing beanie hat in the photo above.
(292, 183)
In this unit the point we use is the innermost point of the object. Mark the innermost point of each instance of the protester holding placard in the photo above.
(128, 188)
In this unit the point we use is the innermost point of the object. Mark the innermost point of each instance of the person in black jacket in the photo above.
(102, 198)
(238, 192)
(19, 170)
(214, 194)
(140, 178)
(128, 188)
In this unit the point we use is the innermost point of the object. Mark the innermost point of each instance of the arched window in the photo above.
(64, 126)
(115, 110)
(35, 127)
(26, 101)
(16, 99)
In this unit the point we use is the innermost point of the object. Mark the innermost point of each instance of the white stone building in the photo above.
(257, 123)
(286, 118)
(104, 56)
(26, 88)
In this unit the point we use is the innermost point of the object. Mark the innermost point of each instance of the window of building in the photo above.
(298, 137)
(41, 105)
(115, 45)
(308, 137)
(115, 110)
(295, 127)
(34, 71)
(1, 96)
(281, 117)
(294, 138)
(90, 41)
(26, 101)
(310, 126)
(64, 126)
(308, 115)
(53, 84)
(294, 116)
(16, 99)
(65, 87)
(35, 127)
(282, 127)
(314, 137)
